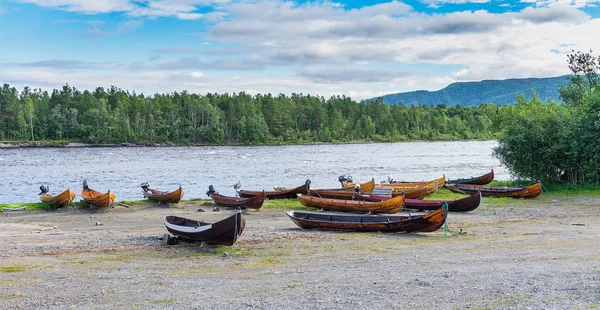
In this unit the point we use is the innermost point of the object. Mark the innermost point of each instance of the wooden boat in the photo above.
(466, 204)
(60, 200)
(384, 223)
(498, 191)
(392, 205)
(480, 180)
(162, 197)
(416, 193)
(96, 198)
(348, 185)
(432, 186)
(282, 193)
(223, 232)
(254, 202)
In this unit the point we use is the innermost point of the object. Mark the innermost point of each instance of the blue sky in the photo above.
(356, 48)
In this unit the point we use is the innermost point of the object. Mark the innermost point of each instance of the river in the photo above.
(123, 169)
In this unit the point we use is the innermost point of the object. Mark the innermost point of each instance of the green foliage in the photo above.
(557, 143)
(117, 116)
(535, 140)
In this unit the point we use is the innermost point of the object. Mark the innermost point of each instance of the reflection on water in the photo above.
(122, 170)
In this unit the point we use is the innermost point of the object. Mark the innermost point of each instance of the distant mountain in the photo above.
(489, 91)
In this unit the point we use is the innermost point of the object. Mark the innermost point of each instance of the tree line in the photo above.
(556, 142)
(114, 116)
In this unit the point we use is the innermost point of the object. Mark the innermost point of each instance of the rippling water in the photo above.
(122, 169)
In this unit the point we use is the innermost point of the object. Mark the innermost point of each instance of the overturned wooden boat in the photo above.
(480, 180)
(253, 202)
(384, 223)
(162, 197)
(466, 204)
(61, 200)
(281, 193)
(223, 232)
(392, 205)
(498, 191)
(96, 198)
(416, 193)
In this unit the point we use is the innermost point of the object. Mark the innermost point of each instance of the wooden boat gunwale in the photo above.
(392, 205)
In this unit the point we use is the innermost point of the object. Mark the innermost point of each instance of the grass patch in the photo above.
(12, 296)
(164, 301)
(10, 269)
(285, 204)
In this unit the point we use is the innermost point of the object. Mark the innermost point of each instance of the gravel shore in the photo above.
(516, 254)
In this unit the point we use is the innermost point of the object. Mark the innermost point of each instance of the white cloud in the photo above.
(318, 47)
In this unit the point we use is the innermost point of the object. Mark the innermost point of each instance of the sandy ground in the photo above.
(521, 254)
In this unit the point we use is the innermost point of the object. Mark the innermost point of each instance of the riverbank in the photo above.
(71, 144)
(509, 253)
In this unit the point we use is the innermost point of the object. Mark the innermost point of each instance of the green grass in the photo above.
(285, 204)
(11, 269)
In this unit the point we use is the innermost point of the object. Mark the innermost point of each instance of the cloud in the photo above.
(85, 6)
(555, 13)
(437, 3)
(349, 73)
(182, 9)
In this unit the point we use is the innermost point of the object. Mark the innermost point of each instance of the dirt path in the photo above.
(534, 254)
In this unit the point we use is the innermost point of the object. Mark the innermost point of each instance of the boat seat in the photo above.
(383, 191)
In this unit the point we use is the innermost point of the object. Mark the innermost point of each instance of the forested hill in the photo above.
(489, 91)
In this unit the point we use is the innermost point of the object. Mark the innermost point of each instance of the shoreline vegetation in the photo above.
(553, 191)
(75, 144)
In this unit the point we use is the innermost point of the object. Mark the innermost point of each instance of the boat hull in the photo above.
(370, 223)
(163, 197)
(392, 205)
(279, 194)
(98, 199)
(497, 191)
(481, 180)
(224, 232)
(253, 202)
(60, 200)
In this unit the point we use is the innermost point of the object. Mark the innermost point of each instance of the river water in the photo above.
(123, 169)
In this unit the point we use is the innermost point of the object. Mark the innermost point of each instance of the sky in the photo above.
(360, 49)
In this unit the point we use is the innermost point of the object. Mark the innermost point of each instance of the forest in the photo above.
(556, 142)
(114, 115)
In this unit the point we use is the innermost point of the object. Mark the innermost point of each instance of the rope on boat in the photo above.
(428, 192)
(445, 219)
(547, 191)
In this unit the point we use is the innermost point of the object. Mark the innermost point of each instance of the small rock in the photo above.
(98, 224)
(92, 216)
(225, 254)
(201, 210)
(216, 209)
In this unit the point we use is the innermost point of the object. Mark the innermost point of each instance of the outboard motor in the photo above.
(357, 188)
(211, 190)
(307, 182)
(145, 186)
(44, 190)
(85, 185)
(390, 179)
(237, 186)
(343, 179)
